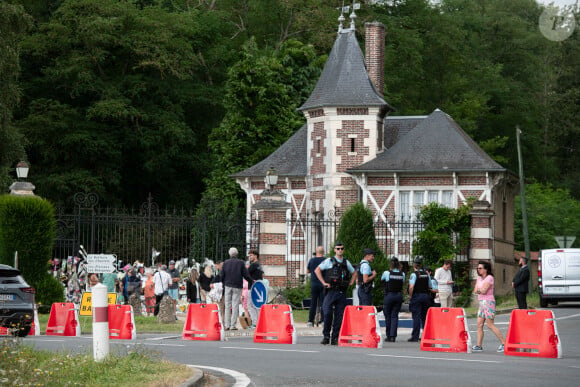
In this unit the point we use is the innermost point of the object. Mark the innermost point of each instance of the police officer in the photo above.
(419, 290)
(365, 277)
(393, 280)
(338, 276)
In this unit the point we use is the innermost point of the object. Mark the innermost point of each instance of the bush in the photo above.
(27, 225)
(48, 291)
(296, 295)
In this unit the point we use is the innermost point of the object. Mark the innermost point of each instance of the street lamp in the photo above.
(19, 187)
(22, 169)
(271, 178)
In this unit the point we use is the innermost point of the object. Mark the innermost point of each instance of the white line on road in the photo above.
(241, 379)
(163, 338)
(270, 349)
(564, 318)
(435, 358)
(161, 345)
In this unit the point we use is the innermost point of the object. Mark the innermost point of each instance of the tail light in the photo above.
(540, 272)
(28, 290)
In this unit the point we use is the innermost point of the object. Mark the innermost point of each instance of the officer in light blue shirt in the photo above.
(338, 276)
(365, 278)
(393, 281)
(419, 290)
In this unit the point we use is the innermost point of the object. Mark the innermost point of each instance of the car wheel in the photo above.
(22, 332)
(543, 302)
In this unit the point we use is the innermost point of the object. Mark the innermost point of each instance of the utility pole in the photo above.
(523, 199)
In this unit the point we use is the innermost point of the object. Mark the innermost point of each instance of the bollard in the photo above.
(100, 322)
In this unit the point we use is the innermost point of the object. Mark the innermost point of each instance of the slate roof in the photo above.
(435, 144)
(344, 80)
(398, 126)
(289, 159)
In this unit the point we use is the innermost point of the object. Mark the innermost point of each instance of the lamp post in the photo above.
(21, 187)
(22, 170)
(271, 179)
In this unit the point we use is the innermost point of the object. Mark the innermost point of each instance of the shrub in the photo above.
(27, 225)
(48, 290)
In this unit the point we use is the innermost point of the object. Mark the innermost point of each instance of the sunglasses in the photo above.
(339, 248)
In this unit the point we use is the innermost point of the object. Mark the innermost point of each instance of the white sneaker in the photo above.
(500, 348)
(477, 348)
(309, 325)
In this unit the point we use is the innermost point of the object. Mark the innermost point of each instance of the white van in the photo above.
(559, 276)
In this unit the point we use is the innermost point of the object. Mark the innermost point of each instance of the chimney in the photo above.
(375, 54)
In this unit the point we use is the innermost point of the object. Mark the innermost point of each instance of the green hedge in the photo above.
(27, 225)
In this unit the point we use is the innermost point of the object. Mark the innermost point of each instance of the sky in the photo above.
(557, 2)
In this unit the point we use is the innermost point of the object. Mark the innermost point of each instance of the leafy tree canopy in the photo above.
(551, 212)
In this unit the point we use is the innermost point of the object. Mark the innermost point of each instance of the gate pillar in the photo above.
(271, 209)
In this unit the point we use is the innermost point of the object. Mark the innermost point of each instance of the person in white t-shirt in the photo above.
(445, 284)
(162, 281)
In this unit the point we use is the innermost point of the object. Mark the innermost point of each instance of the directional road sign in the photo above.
(101, 263)
(259, 292)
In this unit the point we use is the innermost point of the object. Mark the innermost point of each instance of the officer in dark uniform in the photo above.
(419, 290)
(365, 277)
(338, 275)
(393, 280)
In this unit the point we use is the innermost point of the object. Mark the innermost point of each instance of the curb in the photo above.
(194, 380)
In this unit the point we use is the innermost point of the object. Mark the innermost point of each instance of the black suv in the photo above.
(16, 301)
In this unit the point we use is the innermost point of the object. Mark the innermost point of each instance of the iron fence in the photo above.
(394, 238)
(138, 234)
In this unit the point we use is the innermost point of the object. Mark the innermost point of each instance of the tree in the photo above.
(14, 22)
(551, 212)
(120, 99)
(263, 91)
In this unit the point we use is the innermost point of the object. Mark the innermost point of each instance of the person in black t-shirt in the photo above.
(316, 288)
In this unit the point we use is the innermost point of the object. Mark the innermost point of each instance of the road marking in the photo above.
(573, 366)
(271, 349)
(564, 318)
(163, 338)
(161, 345)
(434, 358)
(241, 379)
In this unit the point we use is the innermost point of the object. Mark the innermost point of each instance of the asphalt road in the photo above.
(244, 362)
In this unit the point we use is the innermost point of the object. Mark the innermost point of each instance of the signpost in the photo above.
(259, 293)
(101, 263)
(565, 241)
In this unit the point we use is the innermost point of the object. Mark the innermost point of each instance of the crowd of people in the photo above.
(225, 283)
(228, 283)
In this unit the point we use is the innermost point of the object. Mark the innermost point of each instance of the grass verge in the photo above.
(21, 365)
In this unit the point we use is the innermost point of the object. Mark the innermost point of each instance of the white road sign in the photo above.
(101, 263)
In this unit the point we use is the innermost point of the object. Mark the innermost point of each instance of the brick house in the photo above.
(351, 150)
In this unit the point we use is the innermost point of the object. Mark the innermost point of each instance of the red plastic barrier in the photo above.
(533, 333)
(446, 331)
(203, 323)
(63, 320)
(3, 331)
(360, 328)
(275, 325)
(121, 322)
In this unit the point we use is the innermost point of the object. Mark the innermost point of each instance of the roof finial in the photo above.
(341, 17)
(355, 6)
